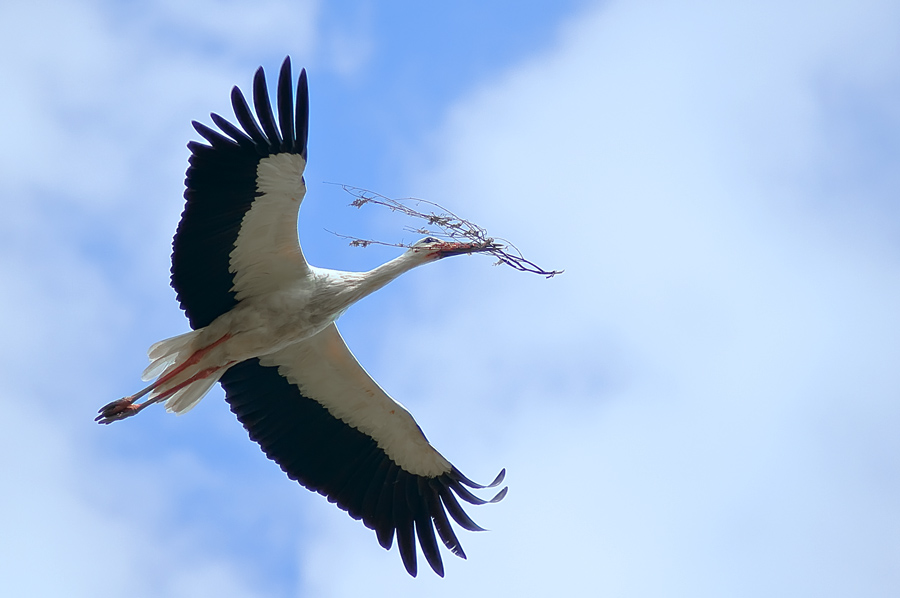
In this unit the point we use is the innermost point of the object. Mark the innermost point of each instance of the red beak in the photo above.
(450, 248)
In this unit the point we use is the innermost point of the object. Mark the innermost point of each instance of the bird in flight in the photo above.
(263, 325)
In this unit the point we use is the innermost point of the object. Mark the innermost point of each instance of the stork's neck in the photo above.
(357, 285)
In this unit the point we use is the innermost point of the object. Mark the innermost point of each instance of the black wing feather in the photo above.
(419, 505)
(245, 117)
(216, 139)
(286, 107)
(383, 521)
(403, 526)
(234, 132)
(455, 510)
(442, 524)
(301, 120)
(264, 110)
(370, 498)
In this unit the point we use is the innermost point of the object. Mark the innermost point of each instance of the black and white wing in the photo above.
(317, 413)
(238, 233)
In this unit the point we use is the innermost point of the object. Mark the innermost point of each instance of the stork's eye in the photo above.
(430, 240)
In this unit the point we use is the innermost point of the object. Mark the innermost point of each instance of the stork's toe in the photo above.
(119, 409)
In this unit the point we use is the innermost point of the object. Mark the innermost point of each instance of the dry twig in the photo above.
(444, 224)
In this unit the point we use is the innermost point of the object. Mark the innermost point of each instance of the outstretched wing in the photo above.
(238, 233)
(317, 413)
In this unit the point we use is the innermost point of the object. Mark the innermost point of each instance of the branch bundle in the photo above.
(445, 224)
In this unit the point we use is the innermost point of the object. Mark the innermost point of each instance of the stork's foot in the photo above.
(118, 410)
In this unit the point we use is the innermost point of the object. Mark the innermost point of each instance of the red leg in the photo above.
(197, 356)
(198, 376)
(127, 406)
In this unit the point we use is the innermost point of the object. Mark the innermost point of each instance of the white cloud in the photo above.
(98, 114)
(704, 403)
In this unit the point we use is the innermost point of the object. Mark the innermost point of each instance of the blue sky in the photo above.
(704, 404)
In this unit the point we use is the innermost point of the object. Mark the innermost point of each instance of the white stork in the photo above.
(263, 323)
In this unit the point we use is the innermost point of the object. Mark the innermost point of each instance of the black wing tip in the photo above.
(428, 502)
(460, 477)
(259, 128)
(301, 120)
(237, 95)
(292, 138)
(285, 101)
(500, 495)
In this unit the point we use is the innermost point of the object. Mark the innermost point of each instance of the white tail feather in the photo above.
(156, 368)
(186, 398)
(166, 346)
(166, 352)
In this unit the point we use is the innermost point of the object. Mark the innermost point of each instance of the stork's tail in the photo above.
(166, 352)
(192, 383)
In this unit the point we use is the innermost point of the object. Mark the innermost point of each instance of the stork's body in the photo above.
(264, 326)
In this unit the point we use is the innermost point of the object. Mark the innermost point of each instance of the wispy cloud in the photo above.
(678, 410)
(703, 404)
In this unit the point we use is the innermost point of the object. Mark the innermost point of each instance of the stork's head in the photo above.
(431, 248)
